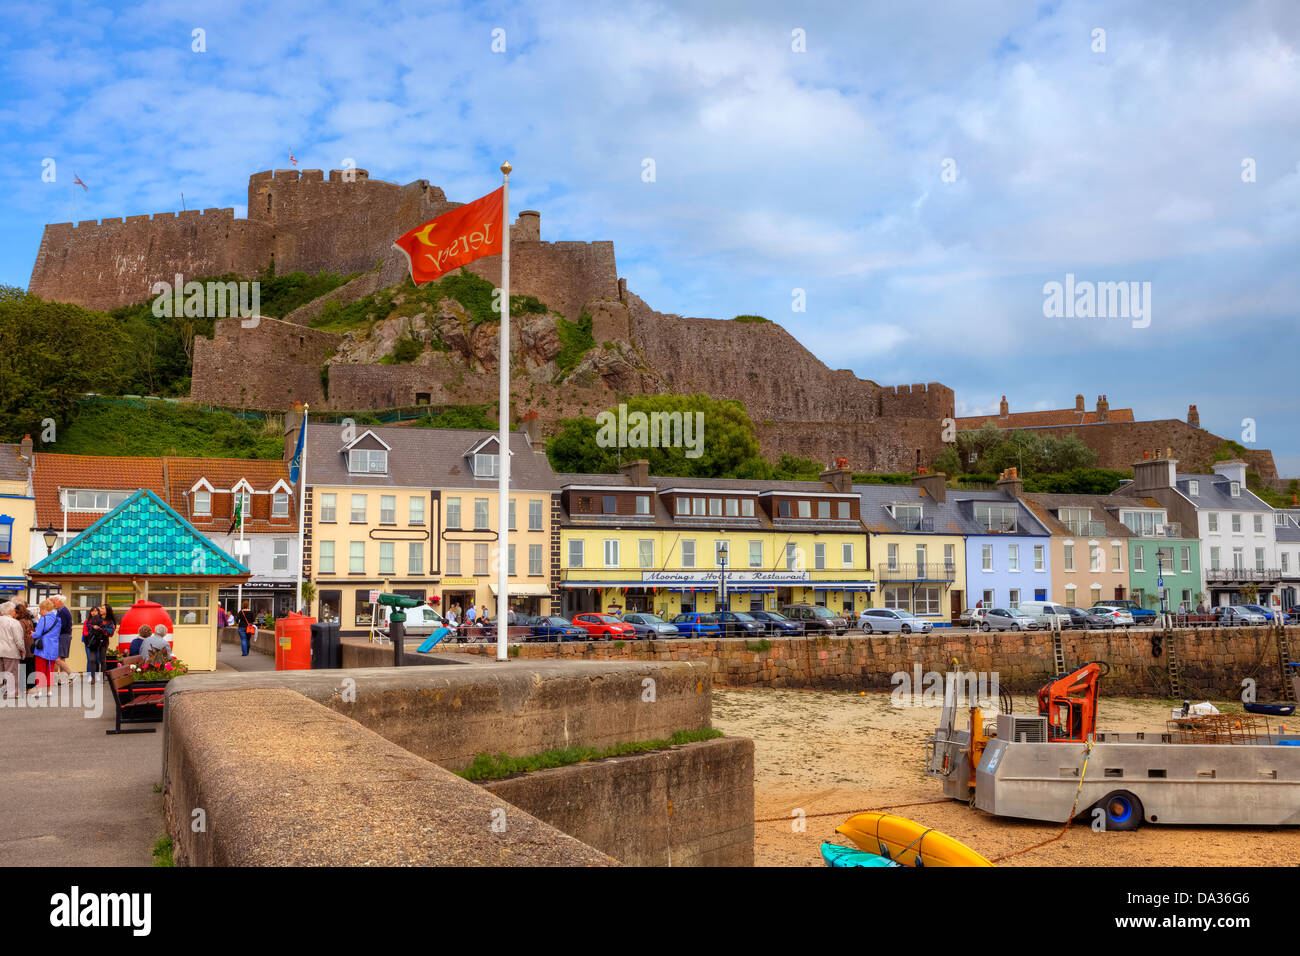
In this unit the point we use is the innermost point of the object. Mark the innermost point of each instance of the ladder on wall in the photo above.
(1058, 653)
(1283, 659)
(1175, 668)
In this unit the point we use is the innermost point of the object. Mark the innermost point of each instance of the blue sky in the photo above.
(775, 170)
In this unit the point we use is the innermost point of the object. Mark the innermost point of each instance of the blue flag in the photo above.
(295, 463)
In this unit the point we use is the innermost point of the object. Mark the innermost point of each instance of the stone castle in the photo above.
(345, 222)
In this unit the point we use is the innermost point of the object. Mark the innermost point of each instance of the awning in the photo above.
(531, 589)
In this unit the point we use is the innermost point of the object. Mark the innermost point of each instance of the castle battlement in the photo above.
(213, 213)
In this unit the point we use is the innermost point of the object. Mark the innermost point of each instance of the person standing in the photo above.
(96, 641)
(484, 622)
(25, 619)
(12, 651)
(46, 638)
(246, 621)
(65, 635)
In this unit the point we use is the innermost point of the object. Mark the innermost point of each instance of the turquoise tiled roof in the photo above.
(141, 536)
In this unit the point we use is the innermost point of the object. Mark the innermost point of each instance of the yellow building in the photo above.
(414, 511)
(636, 542)
(17, 519)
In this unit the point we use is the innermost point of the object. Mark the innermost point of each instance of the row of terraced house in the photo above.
(413, 510)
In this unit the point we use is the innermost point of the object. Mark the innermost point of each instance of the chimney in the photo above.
(1010, 482)
(1153, 474)
(1078, 403)
(1004, 409)
(1233, 470)
(839, 477)
(26, 448)
(1103, 409)
(1193, 416)
(935, 484)
(638, 472)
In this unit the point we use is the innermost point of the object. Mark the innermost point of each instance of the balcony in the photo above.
(1237, 575)
(914, 523)
(933, 571)
(1086, 529)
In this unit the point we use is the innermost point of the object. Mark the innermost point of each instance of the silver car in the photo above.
(1004, 619)
(1117, 616)
(650, 625)
(886, 620)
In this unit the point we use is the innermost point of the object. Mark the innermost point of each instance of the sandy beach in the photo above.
(838, 753)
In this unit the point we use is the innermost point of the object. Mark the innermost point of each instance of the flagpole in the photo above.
(302, 505)
(503, 469)
(239, 503)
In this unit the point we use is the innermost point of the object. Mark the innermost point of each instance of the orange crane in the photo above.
(1070, 703)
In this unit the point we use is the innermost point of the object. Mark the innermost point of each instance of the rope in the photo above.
(849, 813)
(1068, 820)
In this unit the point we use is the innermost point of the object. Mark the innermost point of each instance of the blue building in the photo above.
(1008, 553)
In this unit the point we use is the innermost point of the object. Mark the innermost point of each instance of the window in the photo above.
(1238, 561)
(415, 558)
(688, 553)
(792, 557)
(388, 509)
(898, 598)
(908, 517)
(86, 500)
(609, 504)
(1259, 524)
(1283, 556)
(845, 510)
(368, 461)
(717, 561)
(1015, 597)
(715, 507)
(386, 557)
(1213, 520)
(485, 466)
(611, 552)
(185, 605)
(453, 556)
(1279, 519)
(1259, 559)
(683, 506)
(480, 557)
(986, 557)
(996, 517)
(1194, 488)
(279, 505)
(203, 502)
(1139, 560)
(1013, 558)
(328, 506)
(246, 509)
(927, 601)
(733, 508)
(747, 508)
(453, 513)
(823, 509)
(819, 555)
(1096, 595)
(1236, 524)
(1094, 557)
(1185, 559)
(1214, 558)
(643, 504)
(1039, 557)
(756, 554)
(510, 514)
(783, 509)
(697, 506)
(1140, 522)
(645, 552)
(949, 557)
(362, 609)
(358, 509)
(534, 559)
(1070, 592)
(480, 514)
(846, 555)
(805, 509)
(325, 558)
(534, 515)
(920, 557)
(510, 560)
(1116, 557)
(415, 514)
(280, 558)
(356, 557)
(988, 597)
(893, 557)
(1235, 489)
(575, 553)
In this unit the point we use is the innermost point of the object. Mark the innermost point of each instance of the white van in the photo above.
(421, 621)
(1046, 614)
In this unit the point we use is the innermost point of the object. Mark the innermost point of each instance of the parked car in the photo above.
(650, 625)
(1078, 616)
(557, 629)
(814, 617)
(886, 620)
(604, 627)
(1111, 616)
(1259, 609)
(1007, 619)
(777, 624)
(740, 624)
(1047, 614)
(697, 624)
(421, 621)
(1141, 615)
(972, 617)
(1238, 615)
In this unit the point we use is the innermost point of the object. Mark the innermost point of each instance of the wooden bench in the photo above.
(132, 708)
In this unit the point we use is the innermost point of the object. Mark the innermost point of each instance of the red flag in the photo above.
(454, 239)
(76, 181)
(291, 159)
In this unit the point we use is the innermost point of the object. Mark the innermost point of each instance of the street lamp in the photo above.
(722, 584)
(50, 536)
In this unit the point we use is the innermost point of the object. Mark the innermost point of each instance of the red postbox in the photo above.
(293, 642)
(139, 614)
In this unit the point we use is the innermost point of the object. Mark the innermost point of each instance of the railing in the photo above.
(1086, 529)
(1242, 574)
(909, 523)
(932, 571)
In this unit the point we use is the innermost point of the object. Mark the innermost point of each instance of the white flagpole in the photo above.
(302, 506)
(239, 590)
(503, 470)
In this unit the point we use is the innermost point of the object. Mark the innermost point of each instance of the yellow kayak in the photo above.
(907, 842)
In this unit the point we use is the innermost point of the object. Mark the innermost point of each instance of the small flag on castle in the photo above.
(76, 181)
(291, 158)
(454, 239)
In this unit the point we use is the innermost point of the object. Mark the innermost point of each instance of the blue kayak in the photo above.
(433, 639)
(835, 855)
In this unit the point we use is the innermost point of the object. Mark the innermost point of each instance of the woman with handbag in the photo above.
(95, 638)
(45, 638)
(29, 660)
(246, 621)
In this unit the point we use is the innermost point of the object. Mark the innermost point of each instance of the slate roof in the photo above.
(142, 536)
(1045, 506)
(1216, 495)
(1291, 530)
(13, 466)
(423, 458)
(954, 515)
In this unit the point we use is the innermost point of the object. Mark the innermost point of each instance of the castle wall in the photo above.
(1119, 444)
(886, 444)
(564, 275)
(269, 366)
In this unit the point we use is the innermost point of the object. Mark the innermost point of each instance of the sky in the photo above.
(896, 184)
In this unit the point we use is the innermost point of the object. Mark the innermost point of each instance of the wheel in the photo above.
(1015, 627)
(1123, 810)
(866, 628)
(907, 628)
(986, 627)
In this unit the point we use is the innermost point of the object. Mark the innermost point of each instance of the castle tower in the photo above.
(528, 227)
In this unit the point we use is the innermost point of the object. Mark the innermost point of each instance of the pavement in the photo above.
(229, 659)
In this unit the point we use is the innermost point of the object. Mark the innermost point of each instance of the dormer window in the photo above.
(485, 466)
(1194, 488)
(908, 516)
(1235, 489)
(203, 503)
(279, 505)
(368, 461)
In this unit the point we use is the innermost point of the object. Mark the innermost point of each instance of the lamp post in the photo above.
(722, 584)
(50, 536)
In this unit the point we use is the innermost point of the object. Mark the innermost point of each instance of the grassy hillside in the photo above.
(163, 428)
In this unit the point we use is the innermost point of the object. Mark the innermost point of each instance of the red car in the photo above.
(604, 627)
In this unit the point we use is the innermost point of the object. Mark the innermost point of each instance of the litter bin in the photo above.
(293, 642)
(326, 646)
